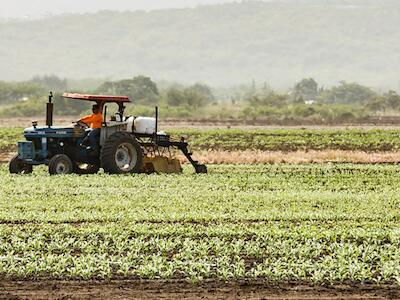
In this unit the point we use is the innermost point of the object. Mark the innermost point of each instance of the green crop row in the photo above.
(315, 223)
(293, 139)
(265, 140)
(9, 138)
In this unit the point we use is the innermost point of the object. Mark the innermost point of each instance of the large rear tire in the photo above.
(60, 164)
(121, 154)
(18, 166)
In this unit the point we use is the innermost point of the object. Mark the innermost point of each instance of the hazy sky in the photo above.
(38, 8)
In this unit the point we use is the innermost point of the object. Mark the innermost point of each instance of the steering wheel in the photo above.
(80, 124)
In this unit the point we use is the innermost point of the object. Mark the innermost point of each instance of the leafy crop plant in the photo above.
(314, 223)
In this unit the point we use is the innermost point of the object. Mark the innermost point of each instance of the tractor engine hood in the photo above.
(53, 132)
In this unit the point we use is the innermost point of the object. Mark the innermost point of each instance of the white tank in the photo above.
(118, 117)
(129, 126)
(145, 125)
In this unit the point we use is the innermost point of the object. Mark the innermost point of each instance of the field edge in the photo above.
(182, 289)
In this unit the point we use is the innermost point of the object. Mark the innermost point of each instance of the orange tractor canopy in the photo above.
(100, 99)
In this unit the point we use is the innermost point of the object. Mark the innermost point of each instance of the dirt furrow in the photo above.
(280, 157)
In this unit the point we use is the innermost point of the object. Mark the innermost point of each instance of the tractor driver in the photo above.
(94, 121)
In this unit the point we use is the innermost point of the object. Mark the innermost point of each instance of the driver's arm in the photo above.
(88, 119)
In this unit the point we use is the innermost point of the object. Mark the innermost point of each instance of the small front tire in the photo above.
(18, 166)
(60, 164)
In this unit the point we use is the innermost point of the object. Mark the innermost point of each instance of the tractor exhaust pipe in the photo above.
(105, 116)
(156, 119)
(49, 111)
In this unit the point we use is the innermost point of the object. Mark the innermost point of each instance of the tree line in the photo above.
(307, 99)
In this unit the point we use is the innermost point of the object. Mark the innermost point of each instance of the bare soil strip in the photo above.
(179, 289)
(6, 156)
(298, 157)
(279, 157)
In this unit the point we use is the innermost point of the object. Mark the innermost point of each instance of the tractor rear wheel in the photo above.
(121, 154)
(18, 166)
(60, 164)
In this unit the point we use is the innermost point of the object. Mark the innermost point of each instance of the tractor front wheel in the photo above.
(121, 154)
(18, 166)
(60, 164)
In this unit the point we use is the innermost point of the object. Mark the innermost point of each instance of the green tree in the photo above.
(11, 92)
(51, 82)
(203, 90)
(376, 104)
(140, 89)
(269, 99)
(307, 88)
(193, 96)
(347, 93)
(392, 100)
(175, 97)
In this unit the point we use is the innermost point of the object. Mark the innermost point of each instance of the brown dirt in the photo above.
(134, 289)
(5, 156)
(298, 157)
(279, 157)
(238, 124)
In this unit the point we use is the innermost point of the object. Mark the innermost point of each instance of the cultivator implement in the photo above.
(158, 154)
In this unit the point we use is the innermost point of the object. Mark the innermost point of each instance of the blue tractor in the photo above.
(126, 144)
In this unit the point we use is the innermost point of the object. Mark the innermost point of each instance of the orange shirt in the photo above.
(94, 120)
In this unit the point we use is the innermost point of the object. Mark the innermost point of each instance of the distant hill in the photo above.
(277, 42)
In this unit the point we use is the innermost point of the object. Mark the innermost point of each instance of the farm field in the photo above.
(254, 224)
(227, 146)
(266, 139)
(270, 146)
(312, 224)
